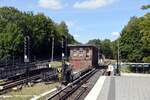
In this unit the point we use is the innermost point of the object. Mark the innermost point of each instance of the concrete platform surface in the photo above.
(124, 88)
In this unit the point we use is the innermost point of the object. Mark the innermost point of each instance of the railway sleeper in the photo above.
(72, 87)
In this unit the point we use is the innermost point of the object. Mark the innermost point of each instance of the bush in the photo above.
(126, 69)
(146, 59)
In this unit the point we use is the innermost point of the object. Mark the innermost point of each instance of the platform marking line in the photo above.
(10, 96)
(135, 74)
(94, 93)
(112, 91)
(43, 94)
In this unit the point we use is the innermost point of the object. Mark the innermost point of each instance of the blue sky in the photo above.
(86, 19)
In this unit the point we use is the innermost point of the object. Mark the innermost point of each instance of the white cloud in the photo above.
(50, 4)
(70, 24)
(92, 4)
(116, 34)
(76, 35)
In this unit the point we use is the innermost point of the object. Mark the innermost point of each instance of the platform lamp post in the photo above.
(118, 56)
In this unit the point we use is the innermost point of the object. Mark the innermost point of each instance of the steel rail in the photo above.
(70, 88)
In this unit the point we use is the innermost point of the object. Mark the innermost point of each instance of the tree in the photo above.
(144, 7)
(114, 47)
(96, 42)
(105, 47)
(15, 25)
(135, 39)
(146, 59)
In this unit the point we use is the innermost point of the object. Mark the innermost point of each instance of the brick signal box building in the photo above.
(83, 56)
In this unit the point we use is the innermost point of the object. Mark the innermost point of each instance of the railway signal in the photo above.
(52, 55)
(26, 48)
(26, 55)
(64, 46)
(64, 58)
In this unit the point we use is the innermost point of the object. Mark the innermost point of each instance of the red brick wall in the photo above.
(80, 60)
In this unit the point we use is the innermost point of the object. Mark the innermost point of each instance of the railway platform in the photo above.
(124, 87)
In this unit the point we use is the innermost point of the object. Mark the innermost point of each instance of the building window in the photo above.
(87, 53)
(81, 52)
(75, 53)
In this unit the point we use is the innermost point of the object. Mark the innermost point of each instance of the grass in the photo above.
(56, 63)
(2, 81)
(126, 69)
(28, 92)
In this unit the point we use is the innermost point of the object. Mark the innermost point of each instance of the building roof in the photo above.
(81, 45)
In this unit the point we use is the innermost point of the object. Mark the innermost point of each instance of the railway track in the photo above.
(76, 89)
(85, 88)
(4, 87)
(7, 86)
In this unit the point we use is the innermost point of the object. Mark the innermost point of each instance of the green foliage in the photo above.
(114, 49)
(135, 39)
(134, 44)
(126, 69)
(105, 46)
(144, 7)
(95, 42)
(146, 59)
(14, 25)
